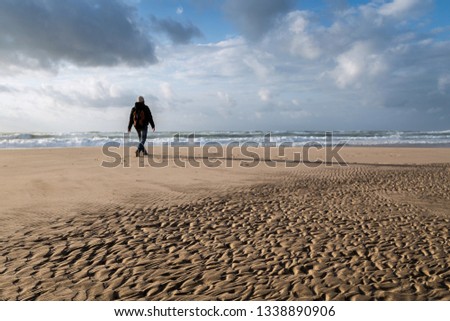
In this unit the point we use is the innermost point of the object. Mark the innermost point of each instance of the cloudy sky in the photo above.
(78, 65)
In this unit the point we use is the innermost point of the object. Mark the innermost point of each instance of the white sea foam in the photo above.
(297, 138)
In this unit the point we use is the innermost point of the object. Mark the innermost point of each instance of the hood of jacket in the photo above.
(139, 105)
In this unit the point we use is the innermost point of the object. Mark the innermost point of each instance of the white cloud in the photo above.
(358, 63)
(226, 99)
(232, 58)
(264, 95)
(226, 104)
(301, 43)
(166, 90)
(293, 35)
(401, 8)
(260, 69)
(444, 84)
(92, 92)
(180, 10)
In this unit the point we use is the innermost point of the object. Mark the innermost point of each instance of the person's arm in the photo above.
(150, 119)
(130, 122)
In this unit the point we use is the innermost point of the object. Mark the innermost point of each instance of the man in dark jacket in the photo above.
(140, 117)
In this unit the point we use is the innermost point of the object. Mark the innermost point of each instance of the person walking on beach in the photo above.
(140, 117)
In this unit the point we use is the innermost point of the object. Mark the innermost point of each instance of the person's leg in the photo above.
(142, 139)
(138, 150)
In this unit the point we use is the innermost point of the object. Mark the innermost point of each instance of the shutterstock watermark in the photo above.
(213, 154)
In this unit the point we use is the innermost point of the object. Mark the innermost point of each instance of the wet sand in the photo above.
(377, 229)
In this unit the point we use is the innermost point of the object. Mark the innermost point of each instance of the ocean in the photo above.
(296, 138)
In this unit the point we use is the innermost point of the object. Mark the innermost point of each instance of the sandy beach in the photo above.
(376, 229)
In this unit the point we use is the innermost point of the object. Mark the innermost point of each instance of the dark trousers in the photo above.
(142, 133)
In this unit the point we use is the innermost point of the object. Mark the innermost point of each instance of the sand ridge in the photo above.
(332, 233)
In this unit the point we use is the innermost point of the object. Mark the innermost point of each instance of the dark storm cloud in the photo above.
(255, 17)
(84, 32)
(177, 32)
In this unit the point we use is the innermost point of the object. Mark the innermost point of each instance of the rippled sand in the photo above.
(361, 232)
